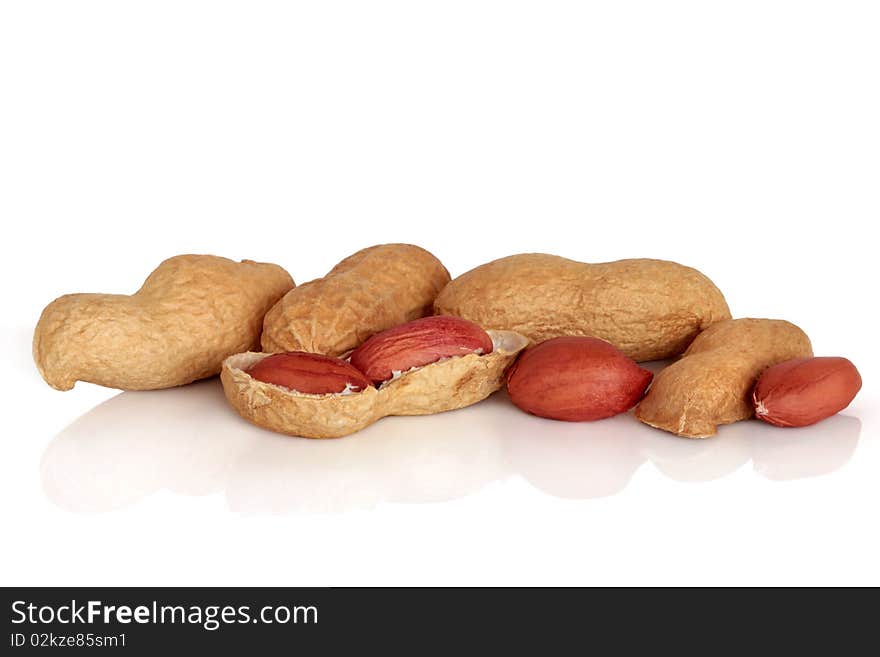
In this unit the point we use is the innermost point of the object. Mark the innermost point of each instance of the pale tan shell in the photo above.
(191, 313)
(374, 289)
(712, 382)
(649, 309)
(441, 386)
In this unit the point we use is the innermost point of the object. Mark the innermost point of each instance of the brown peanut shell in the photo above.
(191, 313)
(441, 386)
(374, 289)
(649, 309)
(711, 384)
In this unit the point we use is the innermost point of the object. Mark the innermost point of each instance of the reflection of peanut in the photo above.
(313, 374)
(803, 391)
(191, 313)
(368, 292)
(576, 379)
(417, 343)
(649, 309)
(712, 382)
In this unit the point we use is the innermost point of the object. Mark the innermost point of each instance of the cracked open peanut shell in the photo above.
(442, 386)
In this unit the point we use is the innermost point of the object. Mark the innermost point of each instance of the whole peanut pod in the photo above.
(712, 382)
(191, 313)
(368, 292)
(649, 309)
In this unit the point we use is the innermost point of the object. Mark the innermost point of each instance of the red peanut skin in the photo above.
(576, 379)
(308, 373)
(418, 343)
(803, 391)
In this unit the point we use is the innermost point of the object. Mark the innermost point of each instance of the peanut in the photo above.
(368, 292)
(440, 386)
(308, 373)
(712, 382)
(576, 379)
(649, 309)
(418, 343)
(803, 391)
(191, 313)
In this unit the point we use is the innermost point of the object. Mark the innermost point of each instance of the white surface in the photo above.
(740, 139)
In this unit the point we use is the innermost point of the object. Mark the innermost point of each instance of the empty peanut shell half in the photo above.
(442, 386)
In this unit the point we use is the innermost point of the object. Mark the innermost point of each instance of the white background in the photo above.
(741, 138)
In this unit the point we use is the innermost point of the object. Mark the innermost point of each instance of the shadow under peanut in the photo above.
(776, 453)
(696, 461)
(785, 454)
(189, 441)
(571, 460)
(183, 439)
(410, 460)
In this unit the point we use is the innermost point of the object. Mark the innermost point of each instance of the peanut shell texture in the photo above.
(189, 315)
(712, 383)
(649, 309)
(374, 289)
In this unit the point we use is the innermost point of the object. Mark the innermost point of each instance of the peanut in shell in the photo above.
(712, 383)
(374, 289)
(649, 309)
(191, 313)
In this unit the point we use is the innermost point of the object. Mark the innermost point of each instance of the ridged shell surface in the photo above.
(370, 291)
(649, 309)
(191, 313)
(711, 384)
